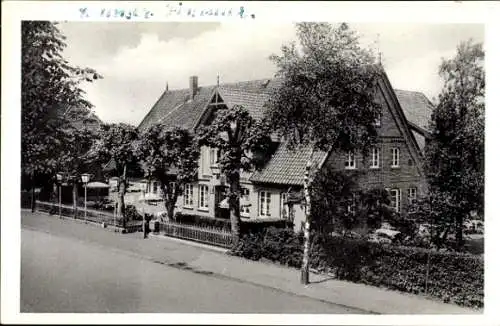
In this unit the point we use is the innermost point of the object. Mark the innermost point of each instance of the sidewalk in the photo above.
(359, 296)
(202, 259)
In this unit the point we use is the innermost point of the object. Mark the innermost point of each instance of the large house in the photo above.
(394, 163)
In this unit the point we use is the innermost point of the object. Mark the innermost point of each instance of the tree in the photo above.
(169, 156)
(243, 143)
(76, 158)
(327, 97)
(331, 194)
(116, 145)
(338, 204)
(455, 153)
(50, 98)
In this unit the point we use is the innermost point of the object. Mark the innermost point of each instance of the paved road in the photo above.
(67, 267)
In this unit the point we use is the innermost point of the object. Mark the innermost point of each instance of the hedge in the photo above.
(452, 277)
(247, 226)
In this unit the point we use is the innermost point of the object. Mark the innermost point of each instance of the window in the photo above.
(375, 162)
(214, 156)
(283, 207)
(395, 199)
(203, 197)
(378, 120)
(351, 205)
(245, 205)
(412, 195)
(265, 203)
(395, 157)
(172, 187)
(245, 194)
(188, 195)
(155, 187)
(350, 162)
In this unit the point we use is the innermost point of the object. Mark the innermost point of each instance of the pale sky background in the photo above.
(138, 59)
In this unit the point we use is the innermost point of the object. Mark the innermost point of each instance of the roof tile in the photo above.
(287, 166)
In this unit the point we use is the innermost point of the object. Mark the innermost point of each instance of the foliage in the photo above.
(455, 154)
(338, 204)
(51, 99)
(116, 144)
(327, 97)
(131, 213)
(116, 141)
(242, 142)
(202, 221)
(168, 156)
(453, 277)
(331, 193)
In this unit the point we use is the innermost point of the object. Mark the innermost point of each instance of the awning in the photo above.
(97, 185)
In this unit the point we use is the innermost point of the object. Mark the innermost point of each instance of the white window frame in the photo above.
(172, 187)
(375, 159)
(351, 204)
(244, 202)
(378, 120)
(213, 156)
(412, 195)
(395, 204)
(350, 162)
(283, 206)
(264, 203)
(203, 197)
(395, 157)
(188, 195)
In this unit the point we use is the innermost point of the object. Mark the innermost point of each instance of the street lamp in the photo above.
(59, 178)
(85, 180)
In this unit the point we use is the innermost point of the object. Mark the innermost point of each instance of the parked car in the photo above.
(385, 236)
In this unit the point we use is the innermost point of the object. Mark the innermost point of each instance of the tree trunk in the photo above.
(458, 232)
(170, 198)
(33, 200)
(234, 207)
(304, 271)
(75, 198)
(121, 202)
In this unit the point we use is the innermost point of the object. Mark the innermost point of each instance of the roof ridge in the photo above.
(222, 84)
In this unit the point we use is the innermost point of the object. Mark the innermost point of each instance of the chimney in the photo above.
(166, 87)
(193, 85)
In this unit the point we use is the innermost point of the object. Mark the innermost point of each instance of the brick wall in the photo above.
(391, 135)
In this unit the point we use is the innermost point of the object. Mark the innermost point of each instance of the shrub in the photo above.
(261, 225)
(131, 213)
(454, 277)
(202, 221)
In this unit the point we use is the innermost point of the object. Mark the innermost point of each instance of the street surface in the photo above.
(71, 267)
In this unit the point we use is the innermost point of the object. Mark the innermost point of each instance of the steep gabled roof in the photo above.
(416, 107)
(175, 108)
(286, 166)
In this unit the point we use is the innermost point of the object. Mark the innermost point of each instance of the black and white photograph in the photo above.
(213, 167)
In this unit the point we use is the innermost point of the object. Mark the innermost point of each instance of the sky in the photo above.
(138, 59)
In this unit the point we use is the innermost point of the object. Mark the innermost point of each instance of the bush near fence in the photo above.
(247, 226)
(452, 277)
